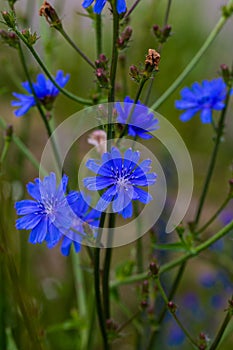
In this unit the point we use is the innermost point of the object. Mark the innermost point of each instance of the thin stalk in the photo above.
(221, 331)
(180, 324)
(216, 214)
(132, 8)
(70, 41)
(44, 68)
(6, 146)
(159, 49)
(193, 62)
(176, 262)
(139, 91)
(106, 270)
(171, 295)
(23, 149)
(98, 29)
(99, 306)
(40, 109)
(3, 311)
(80, 296)
(212, 160)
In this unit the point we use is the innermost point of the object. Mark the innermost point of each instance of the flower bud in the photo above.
(154, 269)
(124, 38)
(9, 18)
(50, 15)
(134, 73)
(144, 304)
(226, 74)
(30, 37)
(145, 287)
(172, 307)
(9, 38)
(9, 132)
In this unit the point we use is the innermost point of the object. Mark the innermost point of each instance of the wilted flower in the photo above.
(98, 139)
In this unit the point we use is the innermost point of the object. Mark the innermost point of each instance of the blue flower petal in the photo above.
(38, 233)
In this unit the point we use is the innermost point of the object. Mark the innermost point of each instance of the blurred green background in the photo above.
(45, 275)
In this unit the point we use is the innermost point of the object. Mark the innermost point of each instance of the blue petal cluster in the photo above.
(122, 179)
(138, 117)
(44, 89)
(99, 5)
(203, 98)
(52, 216)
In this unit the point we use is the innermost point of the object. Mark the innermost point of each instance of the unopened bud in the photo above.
(9, 132)
(226, 74)
(145, 287)
(134, 73)
(144, 304)
(30, 37)
(9, 38)
(172, 307)
(9, 18)
(50, 15)
(154, 268)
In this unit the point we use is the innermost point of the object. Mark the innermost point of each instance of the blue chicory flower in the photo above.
(203, 98)
(99, 5)
(44, 89)
(122, 179)
(139, 118)
(52, 216)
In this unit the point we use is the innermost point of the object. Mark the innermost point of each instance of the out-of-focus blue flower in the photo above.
(48, 215)
(44, 89)
(175, 335)
(54, 217)
(79, 203)
(203, 98)
(208, 279)
(99, 5)
(122, 179)
(139, 118)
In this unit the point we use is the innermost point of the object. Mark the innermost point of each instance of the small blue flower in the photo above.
(99, 5)
(138, 117)
(48, 215)
(122, 179)
(45, 91)
(53, 217)
(203, 98)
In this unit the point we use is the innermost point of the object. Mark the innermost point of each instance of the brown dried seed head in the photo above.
(153, 59)
(50, 15)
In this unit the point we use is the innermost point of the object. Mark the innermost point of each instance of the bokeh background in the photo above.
(47, 276)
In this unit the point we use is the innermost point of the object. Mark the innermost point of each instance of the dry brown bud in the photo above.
(152, 59)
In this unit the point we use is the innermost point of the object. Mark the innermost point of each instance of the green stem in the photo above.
(106, 271)
(99, 306)
(6, 146)
(139, 91)
(176, 262)
(81, 297)
(98, 28)
(180, 324)
(212, 160)
(193, 62)
(40, 109)
(221, 331)
(44, 68)
(171, 295)
(220, 209)
(70, 41)
(3, 311)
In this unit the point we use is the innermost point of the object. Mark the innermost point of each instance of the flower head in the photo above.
(138, 117)
(48, 215)
(53, 217)
(99, 5)
(45, 91)
(203, 98)
(122, 179)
